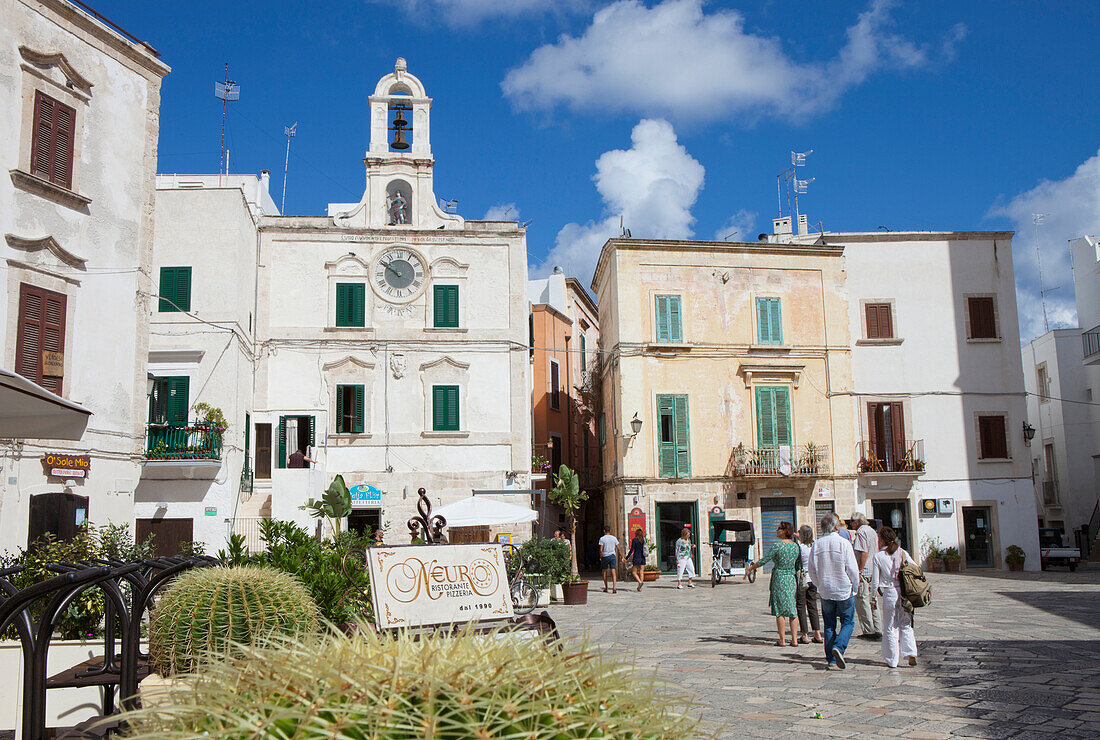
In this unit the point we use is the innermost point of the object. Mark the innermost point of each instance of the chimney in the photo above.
(782, 226)
(265, 178)
(803, 224)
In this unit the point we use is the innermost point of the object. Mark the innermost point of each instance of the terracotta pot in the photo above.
(576, 592)
(1013, 565)
(935, 565)
(951, 565)
(650, 575)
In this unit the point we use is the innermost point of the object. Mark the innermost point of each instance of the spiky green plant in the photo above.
(207, 612)
(440, 686)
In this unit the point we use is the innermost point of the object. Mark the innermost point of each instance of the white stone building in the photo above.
(1086, 283)
(201, 351)
(1058, 408)
(79, 109)
(937, 390)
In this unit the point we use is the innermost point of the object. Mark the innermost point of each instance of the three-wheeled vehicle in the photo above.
(732, 546)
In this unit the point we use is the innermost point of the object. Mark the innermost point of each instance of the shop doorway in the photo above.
(978, 537)
(772, 512)
(60, 514)
(895, 515)
(168, 534)
(365, 521)
(671, 519)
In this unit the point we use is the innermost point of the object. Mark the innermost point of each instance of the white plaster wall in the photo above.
(105, 348)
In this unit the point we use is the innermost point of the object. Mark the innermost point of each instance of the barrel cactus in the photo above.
(206, 612)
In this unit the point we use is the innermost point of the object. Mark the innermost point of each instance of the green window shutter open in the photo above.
(602, 429)
(682, 436)
(446, 306)
(357, 418)
(177, 400)
(769, 322)
(350, 304)
(773, 416)
(445, 408)
(340, 409)
(668, 319)
(282, 442)
(673, 437)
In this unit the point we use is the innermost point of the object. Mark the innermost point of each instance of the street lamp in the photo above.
(636, 424)
(1029, 433)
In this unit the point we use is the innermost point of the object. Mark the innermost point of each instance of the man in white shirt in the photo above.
(833, 570)
(609, 552)
(865, 543)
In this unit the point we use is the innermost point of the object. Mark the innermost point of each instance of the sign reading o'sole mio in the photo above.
(438, 584)
(66, 466)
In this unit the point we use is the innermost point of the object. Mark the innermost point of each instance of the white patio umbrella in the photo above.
(479, 511)
(29, 411)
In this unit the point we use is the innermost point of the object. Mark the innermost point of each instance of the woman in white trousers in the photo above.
(898, 640)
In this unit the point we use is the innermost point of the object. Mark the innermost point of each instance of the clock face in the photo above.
(400, 275)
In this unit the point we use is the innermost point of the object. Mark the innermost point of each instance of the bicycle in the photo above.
(524, 596)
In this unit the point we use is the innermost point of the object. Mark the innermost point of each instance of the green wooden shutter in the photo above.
(769, 323)
(682, 436)
(584, 354)
(765, 417)
(357, 422)
(445, 416)
(661, 318)
(282, 441)
(666, 449)
(452, 407)
(782, 416)
(340, 409)
(601, 427)
(167, 289)
(183, 288)
(177, 400)
(350, 304)
(446, 306)
(675, 330)
(775, 321)
(342, 318)
(358, 304)
(312, 431)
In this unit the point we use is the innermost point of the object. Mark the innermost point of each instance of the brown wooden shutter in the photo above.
(872, 321)
(52, 140)
(41, 329)
(880, 323)
(991, 430)
(982, 323)
(897, 426)
(872, 429)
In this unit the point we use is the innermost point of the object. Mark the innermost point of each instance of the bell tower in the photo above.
(399, 193)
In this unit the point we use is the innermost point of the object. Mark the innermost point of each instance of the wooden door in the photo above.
(263, 451)
(60, 514)
(167, 534)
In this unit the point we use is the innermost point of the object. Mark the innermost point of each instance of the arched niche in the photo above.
(399, 203)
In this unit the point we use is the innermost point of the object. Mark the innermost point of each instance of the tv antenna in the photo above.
(1036, 219)
(789, 175)
(290, 132)
(624, 233)
(226, 91)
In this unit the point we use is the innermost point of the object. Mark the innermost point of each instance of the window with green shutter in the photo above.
(168, 404)
(673, 437)
(304, 437)
(349, 409)
(601, 429)
(584, 354)
(350, 304)
(446, 306)
(445, 408)
(175, 289)
(773, 416)
(668, 319)
(769, 322)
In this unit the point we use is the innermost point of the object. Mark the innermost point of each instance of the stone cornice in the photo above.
(47, 243)
(57, 59)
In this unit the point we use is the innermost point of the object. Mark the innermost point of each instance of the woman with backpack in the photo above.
(897, 622)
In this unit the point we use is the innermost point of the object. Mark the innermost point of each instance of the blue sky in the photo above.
(678, 114)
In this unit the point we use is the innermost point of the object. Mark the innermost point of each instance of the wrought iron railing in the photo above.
(183, 442)
(1050, 493)
(906, 457)
(1091, 342)
(803, 460)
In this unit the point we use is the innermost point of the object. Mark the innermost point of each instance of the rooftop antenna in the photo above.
(226, 91)
(290, 131)
(1036, 219)
(798, 159)
(624, 233)
(726, 238)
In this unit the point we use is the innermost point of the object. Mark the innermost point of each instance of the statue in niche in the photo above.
(399, 209)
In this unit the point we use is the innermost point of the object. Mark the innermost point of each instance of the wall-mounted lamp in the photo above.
(150, 383)
(1029, 434)
(636, 425)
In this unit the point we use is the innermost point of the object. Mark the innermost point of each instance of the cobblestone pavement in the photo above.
(1001, 655)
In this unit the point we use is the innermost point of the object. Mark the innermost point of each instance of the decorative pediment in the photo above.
(770, 372)
(347, 264)
(445, 362)
(57, 59)
(47, 243)
(348, 362)
(448, 267)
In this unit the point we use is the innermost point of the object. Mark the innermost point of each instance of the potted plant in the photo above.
(1015, 557)
(568, 495)
(933, 552)
(576, 590)
(951, 559)
(650, 573)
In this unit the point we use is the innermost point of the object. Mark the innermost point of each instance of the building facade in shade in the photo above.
(80, 114)
(937, 392)
(1059, 409)
(727, 354)
(564, 338)
(196, 477)
(392, 340)
(1086, 283)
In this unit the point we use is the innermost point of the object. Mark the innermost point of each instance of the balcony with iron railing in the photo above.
(1090, 341)
(182, 450)
(905, 456)
(807, 461)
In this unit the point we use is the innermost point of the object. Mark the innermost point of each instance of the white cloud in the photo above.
(740, 227)
(1072, 206)
(678, 61)
(502, 212)
(652, 186)
(469, 12)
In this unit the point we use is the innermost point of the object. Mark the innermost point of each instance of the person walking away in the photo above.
(897, 622)
(684, 563)
(785, 555)
(609, 558)
(865, 543)
(833, 570)
(806, 596)
(636, 556)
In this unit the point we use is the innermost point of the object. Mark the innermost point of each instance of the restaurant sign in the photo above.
(66, 466)
(438, 584)
(365, 496)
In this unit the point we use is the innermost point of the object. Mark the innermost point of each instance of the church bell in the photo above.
(398, 128)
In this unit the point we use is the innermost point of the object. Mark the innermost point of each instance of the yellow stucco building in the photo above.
(726, 352)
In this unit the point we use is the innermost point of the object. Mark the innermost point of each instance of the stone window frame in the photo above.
(447, 271)
(863, 339)
(1003, 413)
(349, 370)
(343, 270)
(996, 319)
(445, 371)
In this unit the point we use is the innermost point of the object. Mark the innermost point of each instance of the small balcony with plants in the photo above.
(796, 461)
(902, 456)
(192, 449)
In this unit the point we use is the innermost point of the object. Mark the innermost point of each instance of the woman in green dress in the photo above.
(785, 555)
